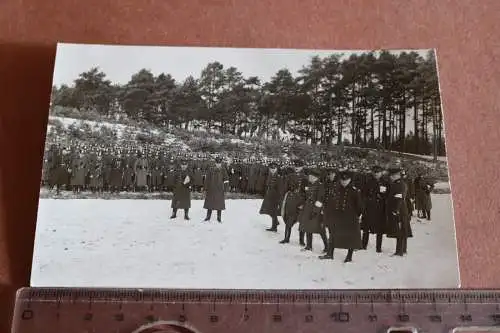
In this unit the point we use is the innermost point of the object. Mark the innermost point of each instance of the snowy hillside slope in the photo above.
(119, 129)
(172, 139)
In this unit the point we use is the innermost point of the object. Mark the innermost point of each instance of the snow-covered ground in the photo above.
(133, 243)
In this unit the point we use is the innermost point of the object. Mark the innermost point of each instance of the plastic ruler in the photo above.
(68, 310)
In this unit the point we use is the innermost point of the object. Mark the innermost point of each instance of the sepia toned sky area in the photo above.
(120, 62)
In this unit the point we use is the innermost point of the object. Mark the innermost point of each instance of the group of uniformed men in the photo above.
(110, 170)
(344, 207)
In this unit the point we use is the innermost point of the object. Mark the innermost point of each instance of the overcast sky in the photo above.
(120, 62)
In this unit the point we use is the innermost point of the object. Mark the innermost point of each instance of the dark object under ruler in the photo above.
(68, 310)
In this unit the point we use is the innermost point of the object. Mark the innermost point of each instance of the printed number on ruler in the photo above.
(43, 310)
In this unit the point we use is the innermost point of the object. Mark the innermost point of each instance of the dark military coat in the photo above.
(64, 169)
(156, 176)
(260, 184)
(234, 176)
(128, 173)
(215, 185)
(310, 215)
(272, 199)
(252, 176)
(170, 177)
(116, 173)
(197, 177)
(78, 171)
(96, 176)
(423, 190)
(182, 189)
(374, 195)
(344, 209)
(294, 197)
(108, 162)
(245, 173)
(330, 191)
(141, 169)
(398, 219)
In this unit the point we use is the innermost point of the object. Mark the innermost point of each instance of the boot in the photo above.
(186, 214)
(348, 258)
(219, 216)
(288, 231)
(274, 226)
(301, 238)
(325, 240)
(329, 253)
(428, 215)
(404, 245)
(209, 215)
(309, 239)
(379, 243)
(399, 247)
(364, 240)
(174, 214)
(326, 256)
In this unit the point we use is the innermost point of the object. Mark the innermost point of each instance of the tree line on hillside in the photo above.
(371, 96)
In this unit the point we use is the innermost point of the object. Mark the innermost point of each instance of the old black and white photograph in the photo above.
(200, 167)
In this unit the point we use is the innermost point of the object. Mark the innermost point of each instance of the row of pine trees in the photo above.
(381, 99)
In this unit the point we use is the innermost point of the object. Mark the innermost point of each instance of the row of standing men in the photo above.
(80, 172)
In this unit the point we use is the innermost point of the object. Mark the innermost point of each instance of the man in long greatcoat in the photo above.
(374, 218)
(141, 170)
(344, 211)
(310, 215)
(398, 221)
(293, 201)
(78, 173)
(182, 191)
(260, 185)
(330, 185)
(96, 176)
(424, 197)
(108, 164)
(234, 177)
(116, 176)
(419, 195)
(198, 179)
(272, 198)
(62, 171)
(410, 192)
(215, 187)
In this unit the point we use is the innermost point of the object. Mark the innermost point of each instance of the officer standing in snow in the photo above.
(215, 187)
(344, 210)
(398, 221)
(374, 217)
(310, 215)
(293, 201)
(182, 191)
(272, 198)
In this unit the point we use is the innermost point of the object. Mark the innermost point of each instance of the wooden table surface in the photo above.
(465, 33)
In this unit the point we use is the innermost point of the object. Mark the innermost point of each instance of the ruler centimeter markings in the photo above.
(57, 310)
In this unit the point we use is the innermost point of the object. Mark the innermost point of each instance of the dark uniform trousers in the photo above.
(309, 238)
(366, 237)
(401, 241)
